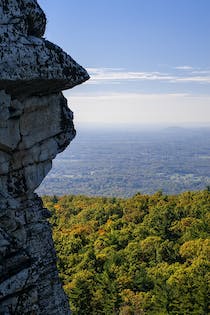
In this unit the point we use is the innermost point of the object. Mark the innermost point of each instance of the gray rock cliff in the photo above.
(35, 125)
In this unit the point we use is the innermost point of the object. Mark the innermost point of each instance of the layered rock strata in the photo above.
(35, 125)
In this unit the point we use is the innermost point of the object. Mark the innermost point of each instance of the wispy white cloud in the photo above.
(207, 72)
(183, 68)
(197, 79)
(104, 75)
(107, 74)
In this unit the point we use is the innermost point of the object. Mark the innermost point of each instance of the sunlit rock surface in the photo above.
(30, 64)
(35, 125)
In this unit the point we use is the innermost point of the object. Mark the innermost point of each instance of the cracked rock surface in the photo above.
(35, 125)
(30, 64)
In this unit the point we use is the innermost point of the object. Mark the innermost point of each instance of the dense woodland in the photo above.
(143, 255)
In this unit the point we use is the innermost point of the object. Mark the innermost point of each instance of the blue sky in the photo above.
(149, 60)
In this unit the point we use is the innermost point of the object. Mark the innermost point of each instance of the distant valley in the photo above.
(120, 162)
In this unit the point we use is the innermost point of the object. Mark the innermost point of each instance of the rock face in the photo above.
(35, 125)
(29, 63)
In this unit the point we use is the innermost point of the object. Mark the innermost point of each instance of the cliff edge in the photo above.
(35, 125)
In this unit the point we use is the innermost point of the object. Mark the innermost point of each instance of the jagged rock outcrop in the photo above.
(35, 125)
(29, 63)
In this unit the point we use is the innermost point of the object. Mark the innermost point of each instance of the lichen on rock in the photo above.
(30, 64)
(35, 125)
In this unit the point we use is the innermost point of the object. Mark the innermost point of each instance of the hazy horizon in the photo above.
(124, 161)
(142, 126)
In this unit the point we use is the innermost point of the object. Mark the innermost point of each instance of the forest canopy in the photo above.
(148, 254)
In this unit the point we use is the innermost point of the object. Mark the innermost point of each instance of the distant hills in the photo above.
(122, 162)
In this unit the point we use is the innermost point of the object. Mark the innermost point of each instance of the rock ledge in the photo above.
(35, 125)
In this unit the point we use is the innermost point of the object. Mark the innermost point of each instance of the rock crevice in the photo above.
(35, 125)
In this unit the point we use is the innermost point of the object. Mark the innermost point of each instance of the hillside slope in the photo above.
(142, 255)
